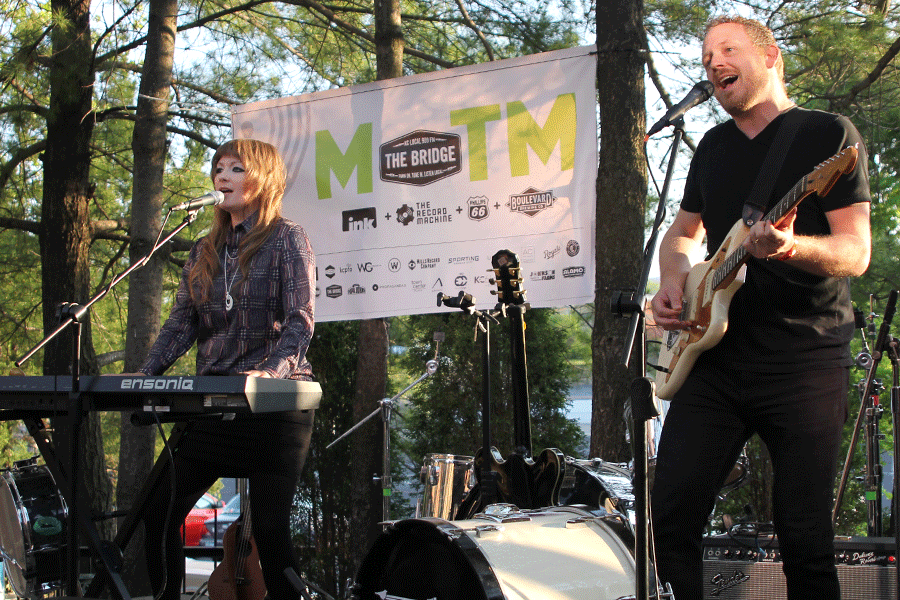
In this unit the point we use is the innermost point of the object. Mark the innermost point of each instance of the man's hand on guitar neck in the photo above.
(767, 240)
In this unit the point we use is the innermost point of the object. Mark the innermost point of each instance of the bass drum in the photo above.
(32, 529)
(556, 553)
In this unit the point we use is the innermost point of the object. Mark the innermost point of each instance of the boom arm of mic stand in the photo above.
(188, 219)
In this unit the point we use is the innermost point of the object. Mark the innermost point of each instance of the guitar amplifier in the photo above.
(749, 568)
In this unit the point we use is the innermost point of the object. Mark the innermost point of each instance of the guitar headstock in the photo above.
(827, 173)
(507, 277)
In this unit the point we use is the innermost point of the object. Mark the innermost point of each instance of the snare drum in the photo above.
(556, 553)
(447, 479)
(32, 529)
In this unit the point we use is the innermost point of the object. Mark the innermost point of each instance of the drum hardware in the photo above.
(385, 408)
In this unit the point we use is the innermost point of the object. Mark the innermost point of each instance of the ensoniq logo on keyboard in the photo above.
(154, 383)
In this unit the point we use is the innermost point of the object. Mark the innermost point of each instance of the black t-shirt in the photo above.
(781, 318)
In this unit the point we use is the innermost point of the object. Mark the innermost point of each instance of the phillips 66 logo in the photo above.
(478, 208)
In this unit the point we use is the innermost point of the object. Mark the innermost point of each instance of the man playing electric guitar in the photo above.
(781, 367)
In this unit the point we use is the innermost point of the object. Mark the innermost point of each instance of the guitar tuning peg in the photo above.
(492, 281)
(494, 292)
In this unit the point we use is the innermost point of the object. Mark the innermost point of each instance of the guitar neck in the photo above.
(739, 255)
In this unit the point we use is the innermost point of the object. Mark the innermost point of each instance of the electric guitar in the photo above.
(521, 480)
(711, 285)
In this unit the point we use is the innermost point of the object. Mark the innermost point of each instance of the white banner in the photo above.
(407, 187)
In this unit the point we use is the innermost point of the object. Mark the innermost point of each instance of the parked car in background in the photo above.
(214, 529)
(207, 507)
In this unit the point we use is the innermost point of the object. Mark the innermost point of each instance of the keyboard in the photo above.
(207, 394)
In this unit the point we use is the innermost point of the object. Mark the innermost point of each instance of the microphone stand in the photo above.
(642, 390)
(893, 352)
(877, 352)
(72, 315)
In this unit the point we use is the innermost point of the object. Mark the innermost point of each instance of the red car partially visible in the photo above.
(195, 524)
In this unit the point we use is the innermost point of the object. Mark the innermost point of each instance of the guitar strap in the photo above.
(755, 206)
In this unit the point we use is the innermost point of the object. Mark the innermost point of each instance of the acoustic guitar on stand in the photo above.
(711, 285)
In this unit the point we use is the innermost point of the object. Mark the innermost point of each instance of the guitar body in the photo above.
(706, 307)
(238, 576)
(521, 481)
(711, 285)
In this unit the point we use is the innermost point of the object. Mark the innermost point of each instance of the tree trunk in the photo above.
(371, 381)
(621, 191)
(136, 450)
(65, 231)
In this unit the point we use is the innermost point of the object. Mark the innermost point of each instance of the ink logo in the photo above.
(572, 248)
(334, 291)
(421, 157)
(569, 272)
(478, 208)
(531, 201)
(361, 219)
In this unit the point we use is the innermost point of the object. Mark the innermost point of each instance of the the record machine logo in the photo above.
(360, 219)
(531, 201)
(421, 157)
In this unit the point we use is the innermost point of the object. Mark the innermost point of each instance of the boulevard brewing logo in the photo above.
(531, 201)
(421, 157)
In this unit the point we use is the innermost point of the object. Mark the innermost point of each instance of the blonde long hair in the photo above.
(265, 180)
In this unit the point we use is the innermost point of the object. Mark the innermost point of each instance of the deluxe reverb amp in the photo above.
(749, 568)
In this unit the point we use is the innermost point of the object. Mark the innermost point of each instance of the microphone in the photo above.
(699, 94)
(213, 198)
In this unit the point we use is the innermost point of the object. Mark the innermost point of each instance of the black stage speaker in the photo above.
(749, 568)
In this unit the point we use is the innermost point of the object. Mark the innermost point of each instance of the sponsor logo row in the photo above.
(477, 208)
(460, 281)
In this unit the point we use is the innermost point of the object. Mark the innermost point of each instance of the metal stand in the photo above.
(65, 468)
(385, 408)
(867, 393)
(643, 391)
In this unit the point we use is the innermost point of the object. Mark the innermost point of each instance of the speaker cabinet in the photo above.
(749, 568)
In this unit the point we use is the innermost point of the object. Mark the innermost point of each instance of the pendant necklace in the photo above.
(229, 301)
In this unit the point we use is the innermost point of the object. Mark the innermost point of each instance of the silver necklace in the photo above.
(229, 301)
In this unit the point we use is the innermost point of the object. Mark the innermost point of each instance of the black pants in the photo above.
(272, 485)
(800, 418)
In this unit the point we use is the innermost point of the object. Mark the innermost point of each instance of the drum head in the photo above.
(12, 534)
